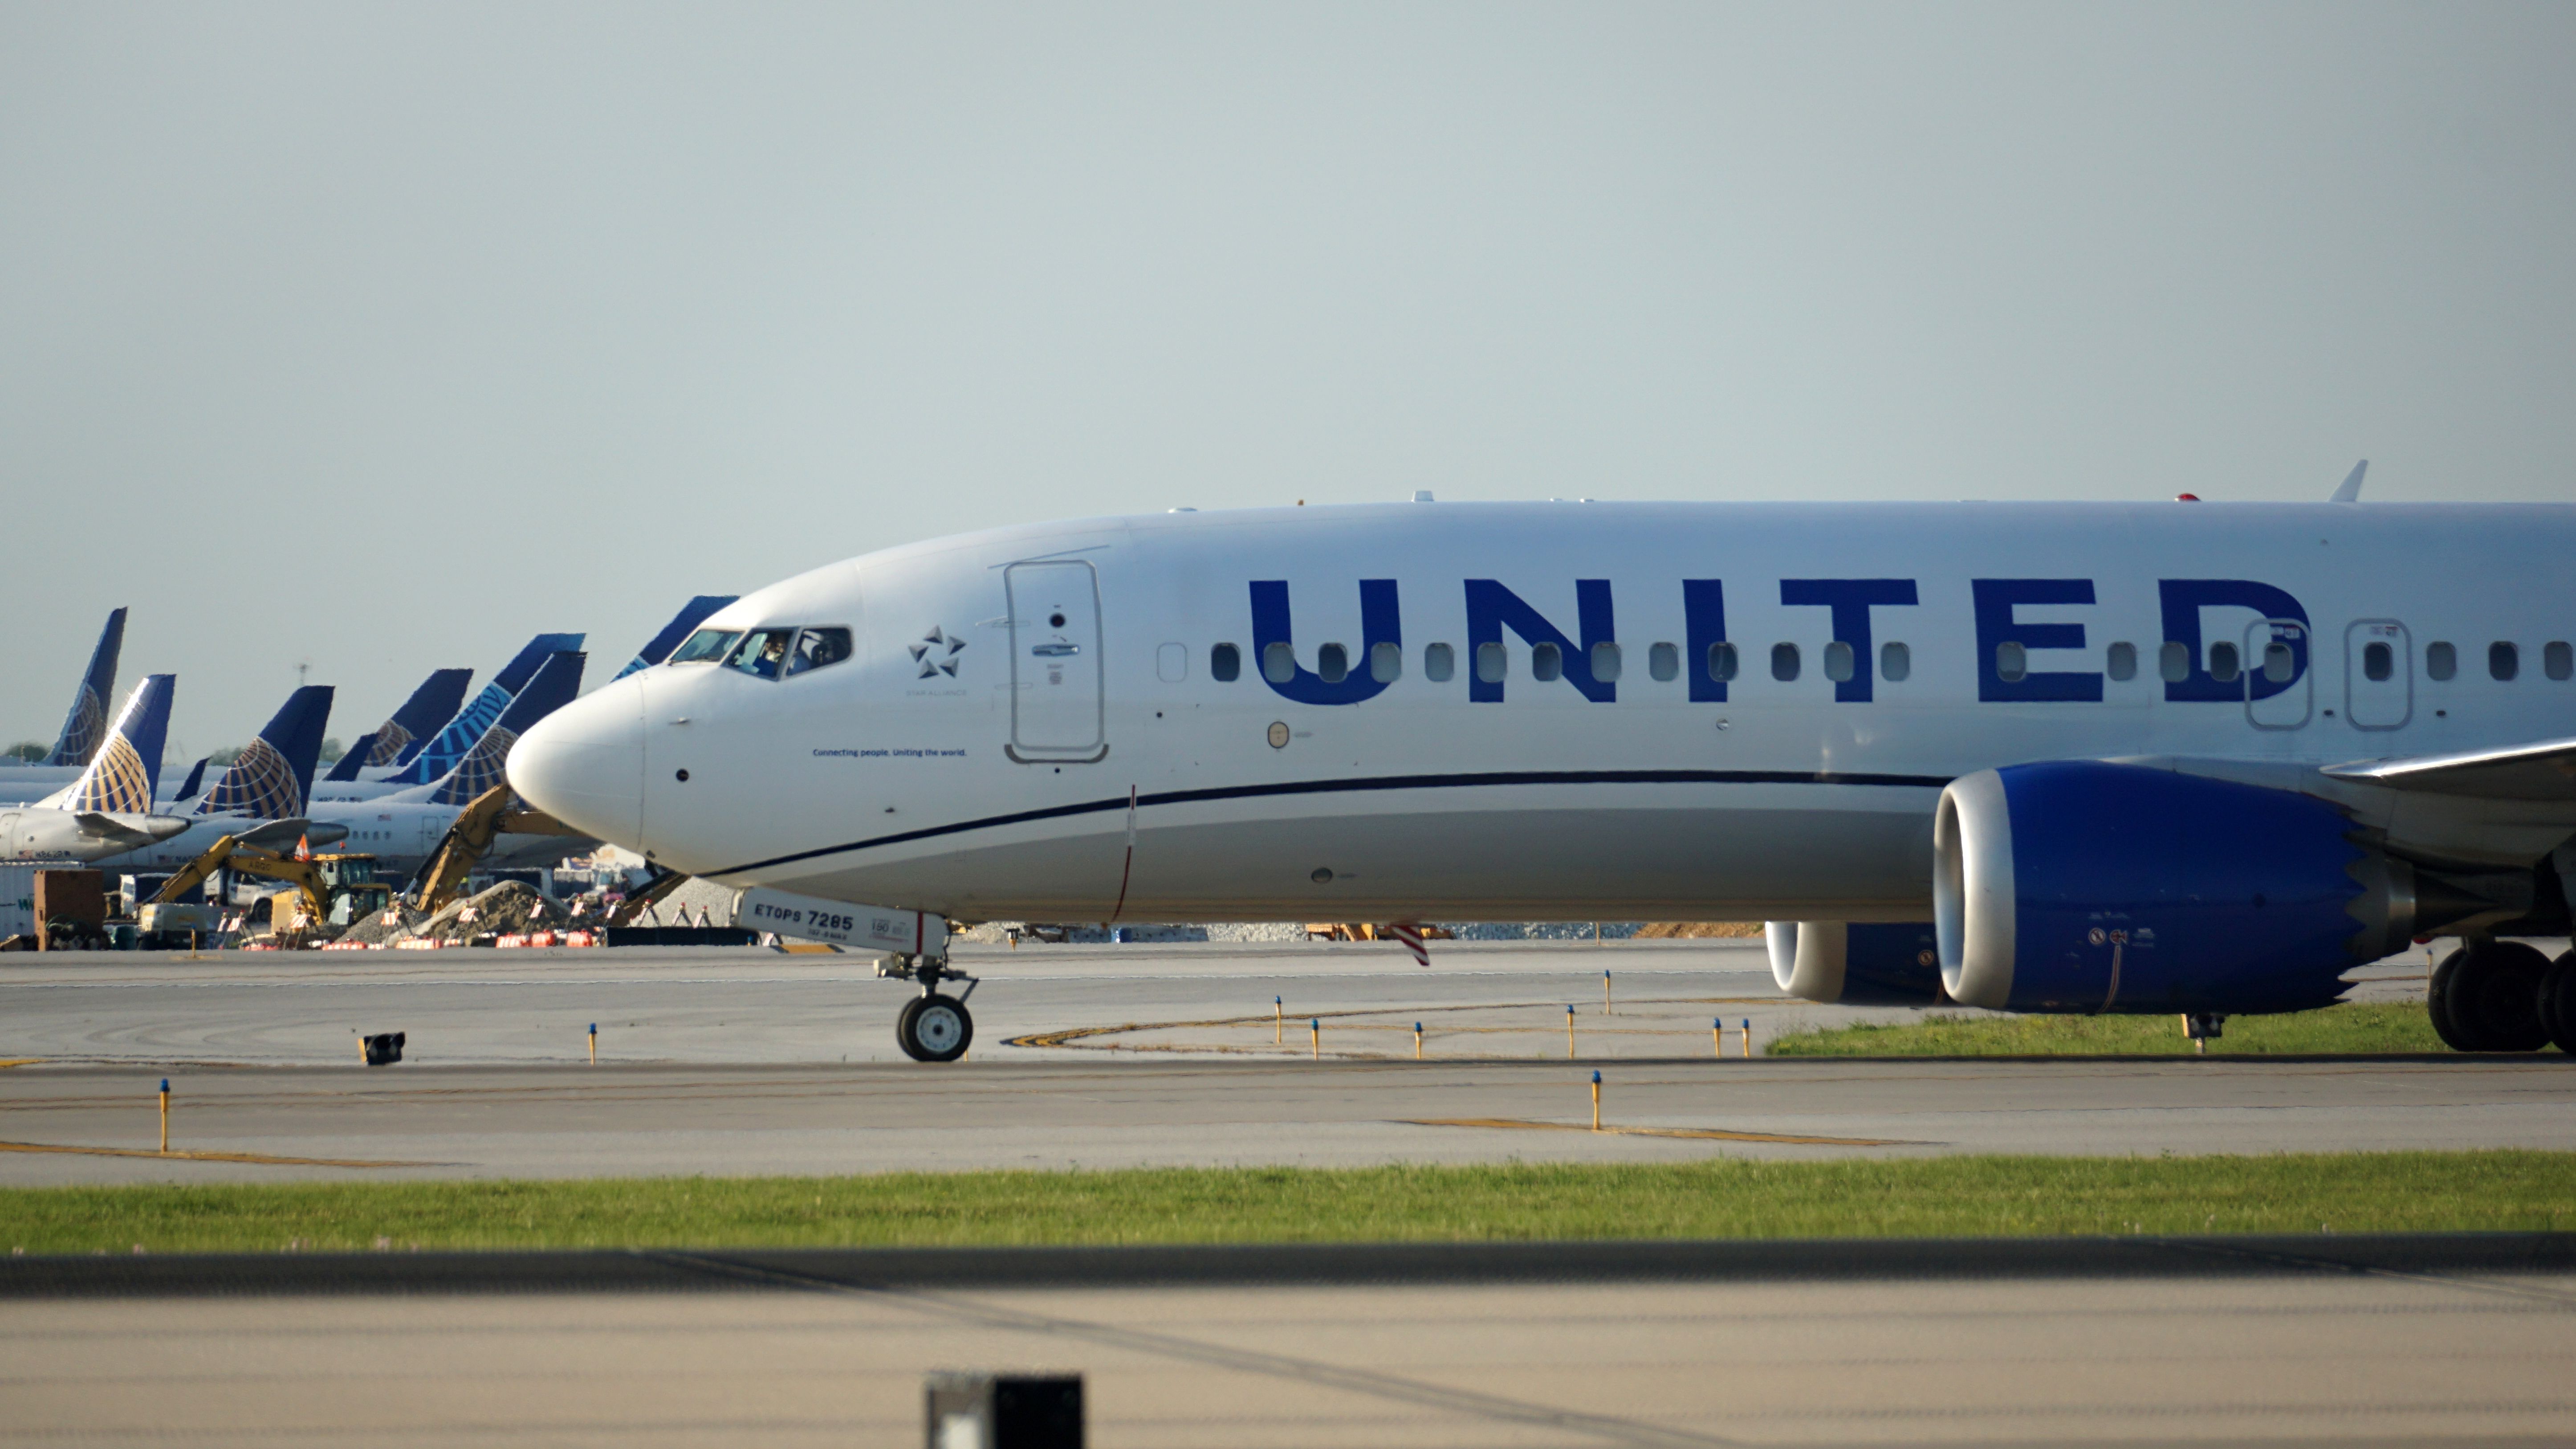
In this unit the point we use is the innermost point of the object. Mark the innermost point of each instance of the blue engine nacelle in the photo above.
(1855, 963)
(2083, 886)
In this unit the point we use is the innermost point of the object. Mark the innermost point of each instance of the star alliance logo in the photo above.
(937, 654)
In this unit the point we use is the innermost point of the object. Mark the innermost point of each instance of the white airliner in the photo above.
(108, 809)
(2182, 757)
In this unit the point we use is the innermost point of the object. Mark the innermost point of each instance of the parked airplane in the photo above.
(84, 726)
(2187, 757)
(108, 810)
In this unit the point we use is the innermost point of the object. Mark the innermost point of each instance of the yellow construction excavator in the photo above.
(323, 883)
(494, 813)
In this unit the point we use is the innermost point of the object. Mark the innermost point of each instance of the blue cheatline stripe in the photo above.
(1374, 782)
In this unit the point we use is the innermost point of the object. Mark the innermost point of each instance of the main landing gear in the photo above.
(2504, 996)
(932, 1028)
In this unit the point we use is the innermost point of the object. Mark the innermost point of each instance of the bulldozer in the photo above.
(335, 888)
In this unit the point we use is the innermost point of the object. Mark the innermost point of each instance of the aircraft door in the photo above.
(1057, 677)
(2378, 674)
(2280, 674)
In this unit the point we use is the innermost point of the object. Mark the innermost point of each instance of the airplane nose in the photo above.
(584, 765)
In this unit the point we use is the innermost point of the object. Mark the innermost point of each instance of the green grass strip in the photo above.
(1717, 1198)
(2373, 1027)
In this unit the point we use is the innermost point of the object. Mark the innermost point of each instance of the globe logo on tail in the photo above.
(117, 781)
(260, 783)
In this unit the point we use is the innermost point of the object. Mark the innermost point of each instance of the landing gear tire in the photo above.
(934, 1028)
(2558, 1002)
(2437, 1005)
(2492, 995)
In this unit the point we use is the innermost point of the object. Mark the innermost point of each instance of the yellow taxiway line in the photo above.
(259, 1157)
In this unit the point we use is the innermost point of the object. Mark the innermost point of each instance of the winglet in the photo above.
(2350, 492)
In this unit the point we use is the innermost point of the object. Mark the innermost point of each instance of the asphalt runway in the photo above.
(733, 1063)
(796, 1353)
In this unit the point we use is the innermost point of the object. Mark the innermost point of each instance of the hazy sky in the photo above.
(380, 337)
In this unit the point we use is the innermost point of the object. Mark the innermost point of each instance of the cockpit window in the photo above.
(704, 647)
(763, 652)
(818, 647)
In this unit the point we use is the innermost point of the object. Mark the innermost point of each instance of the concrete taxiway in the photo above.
(2241, 1347)
(1095, 1057)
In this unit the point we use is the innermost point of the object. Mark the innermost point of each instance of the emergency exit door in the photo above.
(1057, 676)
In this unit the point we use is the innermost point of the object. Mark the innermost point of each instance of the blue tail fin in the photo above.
(430, 706)
(690, 616)
(127, 769)
(481, 769)
(86, 725)
(272, 778)
(196, 781)
(346, 767)
(444, 752)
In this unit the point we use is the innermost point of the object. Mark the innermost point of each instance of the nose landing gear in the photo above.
(933, 1027)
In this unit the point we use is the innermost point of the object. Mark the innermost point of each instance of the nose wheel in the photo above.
(933, 1027)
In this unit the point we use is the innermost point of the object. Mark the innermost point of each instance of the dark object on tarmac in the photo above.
(70, 910)
(1002, 1411)
(382, 1049)
(680, 936)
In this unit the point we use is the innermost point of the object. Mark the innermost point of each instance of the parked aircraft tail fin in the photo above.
(86, 726)
(482, 768)
(444, 753)
(127, 768)
(682, 623)
(196, 781)
(272, 778)
(2350, 491)
(346, 767)
(410, 729)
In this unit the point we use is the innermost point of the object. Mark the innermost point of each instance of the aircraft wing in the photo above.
(100, 826)
(2544, 771)
(282, 834)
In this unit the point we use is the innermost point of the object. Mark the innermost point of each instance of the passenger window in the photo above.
(2223, 666)
(816, 648)
(1332, 664)
(763, 652)
(2503, 660)
(2121, 662)
(2173, 661)
(1895, 663)
(1226, 663)
(1491, 663)
(1721, 662)
(1838, 661)
(1278, 663)
(1386, 662)
(2557, 660)
(704, 647)
(2378, 662)
(1784, 662)
(1546, 663)
(1664, 662)
(1605, 662)
(2277, 662)
(2441, 661)
(2012, 661)
(1439, 663)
